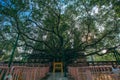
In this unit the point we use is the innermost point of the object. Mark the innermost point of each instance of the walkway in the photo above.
(56, 76)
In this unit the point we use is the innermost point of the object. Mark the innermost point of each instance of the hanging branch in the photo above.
(13, 51)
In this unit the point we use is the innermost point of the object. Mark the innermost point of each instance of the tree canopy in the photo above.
(60, 27)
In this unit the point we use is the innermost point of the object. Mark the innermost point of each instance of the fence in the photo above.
(23, 73)
(92, 73)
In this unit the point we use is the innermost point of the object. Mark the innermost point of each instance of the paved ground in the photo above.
(56, 76)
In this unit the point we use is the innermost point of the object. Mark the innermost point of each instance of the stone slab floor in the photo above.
(56, 76)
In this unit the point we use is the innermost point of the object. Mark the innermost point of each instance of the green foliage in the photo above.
(106, 57)
(57, 27)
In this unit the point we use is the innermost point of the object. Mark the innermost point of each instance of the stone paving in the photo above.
(56, 76)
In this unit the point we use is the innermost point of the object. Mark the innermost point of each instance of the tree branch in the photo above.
(108, 50)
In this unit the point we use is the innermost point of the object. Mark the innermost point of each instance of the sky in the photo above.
(3, 2)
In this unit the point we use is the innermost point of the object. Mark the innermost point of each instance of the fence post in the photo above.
(89, 75)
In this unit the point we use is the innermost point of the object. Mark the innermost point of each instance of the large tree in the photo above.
(61, 28)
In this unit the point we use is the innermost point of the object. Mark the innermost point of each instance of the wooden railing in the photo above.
(93, 63)
(88, 63)
(92, 73)
(3, 71)
(23, 73)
